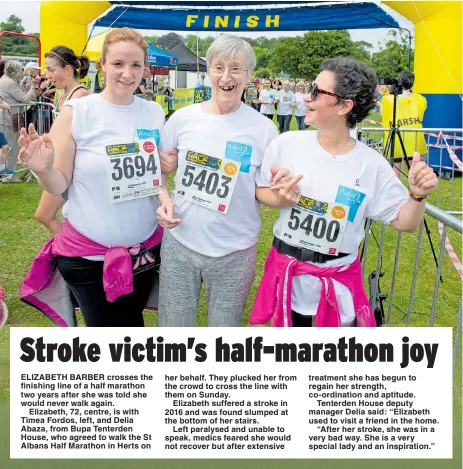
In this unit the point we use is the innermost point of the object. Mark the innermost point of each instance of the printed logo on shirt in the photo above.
(122, 149)
(314, 205)
(239, 152)
(352, 198)
(145, 134)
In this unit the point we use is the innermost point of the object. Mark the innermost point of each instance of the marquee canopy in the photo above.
(304, 18)
(160, 58)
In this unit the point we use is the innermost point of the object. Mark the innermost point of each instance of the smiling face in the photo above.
(123, 68)
(325, 111)
(267, 84)
(60, 76)
(228, 76)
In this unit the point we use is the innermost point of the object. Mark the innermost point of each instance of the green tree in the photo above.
(287, 55)
(151, 39)
(393, 57)
(12, 23)
(262, 56)
(262, 72)
(268, 43)
(203, 44)
(16, 45)
(302, 56)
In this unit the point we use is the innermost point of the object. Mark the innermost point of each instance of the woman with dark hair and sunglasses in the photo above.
(313, 274)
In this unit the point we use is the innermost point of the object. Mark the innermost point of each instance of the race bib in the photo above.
(208, 181)
(315, 225)
(134, 169)
(286, 99)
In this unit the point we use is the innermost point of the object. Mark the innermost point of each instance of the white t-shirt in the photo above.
(301, 105)
(284, 104)
(240, 136)
(95, 124)
(361, 179)
(267, 95)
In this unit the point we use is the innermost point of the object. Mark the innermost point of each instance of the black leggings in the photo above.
(301, 320)
(85, 279)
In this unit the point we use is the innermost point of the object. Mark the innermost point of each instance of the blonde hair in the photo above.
(123, 34)
(301, 83)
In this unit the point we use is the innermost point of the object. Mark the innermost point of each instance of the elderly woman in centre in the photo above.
(214, 217)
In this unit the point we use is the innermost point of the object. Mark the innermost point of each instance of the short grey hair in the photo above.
(13, 69)
(227, 45)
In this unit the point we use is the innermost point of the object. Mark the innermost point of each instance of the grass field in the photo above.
(21, 238)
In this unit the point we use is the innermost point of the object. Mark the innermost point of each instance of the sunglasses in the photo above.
(314, 91)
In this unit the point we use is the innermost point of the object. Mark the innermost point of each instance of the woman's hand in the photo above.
(421, 178)
(285, 184)
(169, 160)
(36, 153)
(165, 213)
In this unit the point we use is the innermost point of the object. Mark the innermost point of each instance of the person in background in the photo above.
(12, 94)
(170, 98)
(202, 81)
(267, 99)
(284, 98)
(31, 71)
(5, 148)
(254, 95)
(300, 104)
(99, 79)
(410, 109)
(276, 86)
(344, 182)
(143, 87)
(63, 68)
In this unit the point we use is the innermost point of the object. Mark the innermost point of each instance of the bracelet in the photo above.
(416, 198)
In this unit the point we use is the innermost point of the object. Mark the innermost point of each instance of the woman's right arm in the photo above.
(47, 212)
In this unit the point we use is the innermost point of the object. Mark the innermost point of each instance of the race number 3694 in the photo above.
(134, 170)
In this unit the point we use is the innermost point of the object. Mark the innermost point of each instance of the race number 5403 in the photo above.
(212, 183)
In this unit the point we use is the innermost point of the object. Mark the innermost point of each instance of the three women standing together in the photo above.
(228, 158)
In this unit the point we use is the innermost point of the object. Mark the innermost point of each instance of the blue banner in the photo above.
(320, 17)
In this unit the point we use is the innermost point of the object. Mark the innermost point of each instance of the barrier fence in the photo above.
(439, 152)
(21, 115)
(406, 294)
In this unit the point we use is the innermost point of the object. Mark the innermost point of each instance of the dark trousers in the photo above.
(300, 320)
(85, 279)
(300, 122)
(284, 122)
(270, 116)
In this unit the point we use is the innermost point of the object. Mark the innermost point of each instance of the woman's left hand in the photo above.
(286, 184)
(421, 178)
